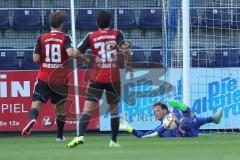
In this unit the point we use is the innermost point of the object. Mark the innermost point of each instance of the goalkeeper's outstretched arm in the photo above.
(124, 126)
(139, 134)
(151, 133)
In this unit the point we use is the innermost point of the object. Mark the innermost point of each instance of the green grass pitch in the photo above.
(205, 147)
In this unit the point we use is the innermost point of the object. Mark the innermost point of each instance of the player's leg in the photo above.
(188, 123)
(83, 122)
(215, 118)
(113, 92)
(33, 114)
(94, 93)
(178, 105)
(186, 111)
(40, 96)
(60, 120)
(86, 116)
(114, 124)
(59, 95)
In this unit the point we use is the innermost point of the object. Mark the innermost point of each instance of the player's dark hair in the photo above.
(104, 19)
(57, 18)
(163, 105)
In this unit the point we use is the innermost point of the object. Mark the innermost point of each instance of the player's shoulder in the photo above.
(68, 36)
(65, 35)
(172, 109)
(115, 31)
(42, 35)
(38, 37)
(175, 112)
(90, 35)
(118, 30)
(45, 35)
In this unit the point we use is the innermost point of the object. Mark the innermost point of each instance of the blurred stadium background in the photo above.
(214, 27)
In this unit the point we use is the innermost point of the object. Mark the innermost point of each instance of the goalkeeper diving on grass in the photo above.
(180, 122)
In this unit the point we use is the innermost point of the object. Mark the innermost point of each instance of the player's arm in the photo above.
(141, 134)
(37, 51)
(124, 48)
(124, 126)
(68, 46)
(81, 55)
(127, 56)
(81, 48)
(151, 133)
(156, 132)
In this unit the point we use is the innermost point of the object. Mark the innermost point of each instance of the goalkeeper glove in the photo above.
(124, 126)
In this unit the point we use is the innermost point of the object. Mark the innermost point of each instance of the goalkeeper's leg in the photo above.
(178, 105)
(196, 122)
(186, 111)
(215, 118)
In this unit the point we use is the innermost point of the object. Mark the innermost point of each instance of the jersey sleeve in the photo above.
(85, 44)
(120, 38)
(176, 113)
(140, 134)
(68, 42)
(160, 129)
(37, 48)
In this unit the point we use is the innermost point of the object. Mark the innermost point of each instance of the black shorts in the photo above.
(44, 91)
(95, 91)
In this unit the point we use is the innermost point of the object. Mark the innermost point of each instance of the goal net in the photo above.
(214, 53)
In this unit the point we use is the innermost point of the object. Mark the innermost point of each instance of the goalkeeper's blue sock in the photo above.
(84, 119)
(33, 113)
(60, 125)
(114, 126)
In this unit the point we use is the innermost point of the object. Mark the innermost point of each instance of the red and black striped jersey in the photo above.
(52, 48)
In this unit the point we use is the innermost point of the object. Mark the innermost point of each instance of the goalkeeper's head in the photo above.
(56, 19)
(160, 110)
(104, 19)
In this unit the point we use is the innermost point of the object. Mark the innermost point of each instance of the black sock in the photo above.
(33, 113)
(114, 127)
(84, 119)
(60, 125)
